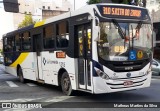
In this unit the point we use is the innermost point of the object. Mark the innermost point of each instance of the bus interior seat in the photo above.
(64, 42)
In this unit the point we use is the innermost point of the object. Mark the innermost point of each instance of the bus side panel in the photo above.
(51, 65)
(69, 65)
(11, 70)
(48, 67)
(29, 67)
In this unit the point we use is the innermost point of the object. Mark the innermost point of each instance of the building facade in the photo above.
(154, 8)
(49, 8)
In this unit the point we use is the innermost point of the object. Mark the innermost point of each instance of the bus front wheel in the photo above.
(66, 84)
(20, 74)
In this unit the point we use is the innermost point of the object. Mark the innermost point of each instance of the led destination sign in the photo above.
(123, 12)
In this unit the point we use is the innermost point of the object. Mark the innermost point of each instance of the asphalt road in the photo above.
(11, 90)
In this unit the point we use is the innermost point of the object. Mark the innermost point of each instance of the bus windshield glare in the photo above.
(125, 41)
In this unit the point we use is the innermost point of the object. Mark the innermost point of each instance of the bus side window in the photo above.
(18, 42)
(9, 44)
(62, 37)
(48, 37)
(26, 41)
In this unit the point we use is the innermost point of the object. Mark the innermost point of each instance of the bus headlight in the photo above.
(101, 74)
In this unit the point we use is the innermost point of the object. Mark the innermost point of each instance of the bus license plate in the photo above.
(128, 83)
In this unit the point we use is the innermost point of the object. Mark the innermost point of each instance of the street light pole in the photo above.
(74, 4)
(0, 3)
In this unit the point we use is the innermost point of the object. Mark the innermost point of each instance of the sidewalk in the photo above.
(2, 67)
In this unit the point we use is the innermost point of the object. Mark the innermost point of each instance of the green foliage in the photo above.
(125, 2)
(1, 52)
(93, 1)
(121, 1)
(113, 1)
(27, 21)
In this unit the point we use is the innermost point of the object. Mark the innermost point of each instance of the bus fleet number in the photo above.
(62, 64)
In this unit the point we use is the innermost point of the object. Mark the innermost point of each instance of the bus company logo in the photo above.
(44, 61)
(48, 61)
(128, 74)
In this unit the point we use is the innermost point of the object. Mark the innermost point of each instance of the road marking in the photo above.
(31, 84)
(58, 99)
(4, 74)
(11, 84)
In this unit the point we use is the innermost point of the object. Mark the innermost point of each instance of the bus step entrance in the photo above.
(40, 81)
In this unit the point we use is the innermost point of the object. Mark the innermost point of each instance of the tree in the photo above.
(93, 1)
(27, 21)
(1, 52)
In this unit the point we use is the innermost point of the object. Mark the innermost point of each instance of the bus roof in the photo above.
(82, 10)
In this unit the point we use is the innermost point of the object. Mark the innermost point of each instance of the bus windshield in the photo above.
(125, 41)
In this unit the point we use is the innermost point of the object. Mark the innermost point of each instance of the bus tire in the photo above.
(66, 84)
(20, 75)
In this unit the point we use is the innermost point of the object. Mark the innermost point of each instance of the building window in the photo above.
(49, 8)
(62, 34)
(151, 2)
(43, 7)
(49, 38)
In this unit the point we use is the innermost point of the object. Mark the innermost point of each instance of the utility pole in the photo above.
(74, 4)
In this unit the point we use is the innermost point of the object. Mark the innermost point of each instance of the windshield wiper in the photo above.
(132, 37)
(120, 31)
(139, 25)
(137, 31)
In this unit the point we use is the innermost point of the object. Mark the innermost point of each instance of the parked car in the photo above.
(156, 67)
(1, 60)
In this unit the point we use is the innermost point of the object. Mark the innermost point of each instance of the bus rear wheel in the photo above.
(20, 74)
(66, 84)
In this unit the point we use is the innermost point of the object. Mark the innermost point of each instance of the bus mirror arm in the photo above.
(97, 28)
(97, 24)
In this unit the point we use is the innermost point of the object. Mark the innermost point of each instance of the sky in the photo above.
(78, 3)
(6, 18)
(6, 21)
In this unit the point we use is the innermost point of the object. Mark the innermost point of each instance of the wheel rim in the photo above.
(66, 84)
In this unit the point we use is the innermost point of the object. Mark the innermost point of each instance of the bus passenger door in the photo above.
(84, 61)
(37, 48)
